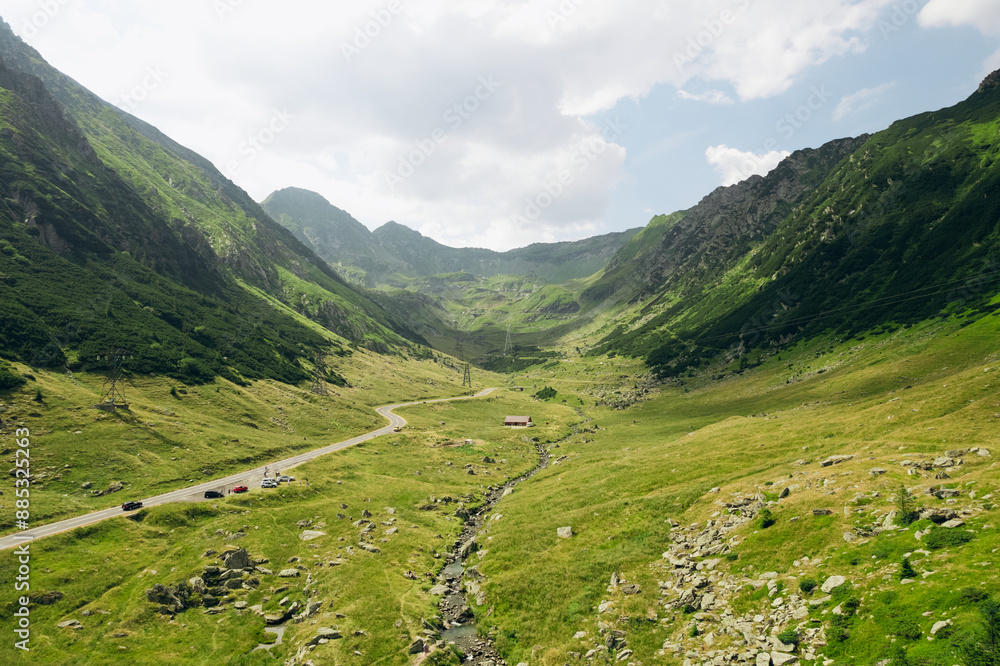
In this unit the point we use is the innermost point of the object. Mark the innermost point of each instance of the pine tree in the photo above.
(906, 570)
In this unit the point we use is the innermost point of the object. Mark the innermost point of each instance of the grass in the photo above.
(96, 572)
(617, 477)
(197, 433)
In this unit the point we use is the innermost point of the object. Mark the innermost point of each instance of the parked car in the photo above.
(397, 428)
(240, 489)
(213, 494)
(285, 479)
(131, 506)
(269, 483)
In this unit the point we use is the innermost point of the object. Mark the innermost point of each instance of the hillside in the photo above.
(115, 236)
(395, 249)
(885, 230)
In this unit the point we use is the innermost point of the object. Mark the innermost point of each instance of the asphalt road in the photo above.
(250, 478)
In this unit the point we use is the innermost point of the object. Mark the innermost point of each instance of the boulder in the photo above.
(289, 573)
(835, 460)
(69, 624)
(822, 512)
(197, 585)
(877, 471)
(763, 659)
(47, 598)
(832, 583)
(236, 559)
(564, 532)
(440, 590)
(781, 658)
(309, 535)
(272, 619)
(417, 646)
(956, 522)
(785, 492)
(938, 626)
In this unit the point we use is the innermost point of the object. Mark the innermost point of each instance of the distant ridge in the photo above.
(394, 248)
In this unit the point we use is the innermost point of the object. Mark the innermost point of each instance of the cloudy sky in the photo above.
(498, 123)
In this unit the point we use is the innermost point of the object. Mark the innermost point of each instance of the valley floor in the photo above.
(665, 491)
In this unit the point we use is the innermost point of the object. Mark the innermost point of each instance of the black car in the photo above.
(213, 494)
(131, 506)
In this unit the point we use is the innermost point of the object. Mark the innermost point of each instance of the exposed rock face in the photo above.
(237, 559)
(720, 228)
(991, 82)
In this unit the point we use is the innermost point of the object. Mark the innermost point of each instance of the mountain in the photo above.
(116, 236)
(879, 231)
(393, 248)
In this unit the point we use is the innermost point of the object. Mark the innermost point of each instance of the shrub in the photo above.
(971, 595)
(732, 557)
(546, 393)
(906, 569)
(10, 380)
(905, 513)
(766, 518)
(943, 537)
(982, 646)
(807, 585)
(789, 637)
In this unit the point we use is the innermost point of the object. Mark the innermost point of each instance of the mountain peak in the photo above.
(990, 82)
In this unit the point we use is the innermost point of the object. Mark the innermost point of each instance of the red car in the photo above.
(240, 489)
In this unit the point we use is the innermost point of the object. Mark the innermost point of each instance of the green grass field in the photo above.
(618, 476)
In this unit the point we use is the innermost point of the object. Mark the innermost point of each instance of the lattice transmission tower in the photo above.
(113, 391)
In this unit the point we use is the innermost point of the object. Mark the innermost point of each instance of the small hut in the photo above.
(523, 421)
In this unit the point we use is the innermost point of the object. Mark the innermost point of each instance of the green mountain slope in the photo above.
(114, 235)
(884, 230)
(394, 248)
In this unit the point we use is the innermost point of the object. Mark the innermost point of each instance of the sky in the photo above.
(500, 123)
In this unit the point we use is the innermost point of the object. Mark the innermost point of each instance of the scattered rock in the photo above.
(938, 626)
(564, 532)
(309, 535)
(832, 583)
(835, 460)
(236, 559)
(289, 573)
(822, 512)
(69, 624)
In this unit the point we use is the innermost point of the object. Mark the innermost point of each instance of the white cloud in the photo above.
(367, 85)
(991, 64)
(709, 96)
(984, 15)
(861, 100)
(736, 165)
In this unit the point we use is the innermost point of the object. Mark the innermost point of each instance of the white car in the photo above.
(285, 479)
(269, 483)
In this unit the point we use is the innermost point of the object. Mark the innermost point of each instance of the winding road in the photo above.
(249, 478)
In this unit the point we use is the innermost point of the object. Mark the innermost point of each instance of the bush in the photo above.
(732, 557)
(9, 380)
(971, 595)
(789, 637)
(906, 569)
(766, 518)
(943, 537)
(982, 646)
(807, 585)
(546, 393)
